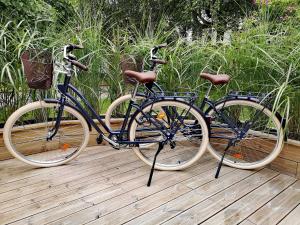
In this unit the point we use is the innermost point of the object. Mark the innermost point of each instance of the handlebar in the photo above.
(164, 45)
(72, 47)
(159, 61)
(155, 49)
(70, 58)
(153, 57)
(79, 65)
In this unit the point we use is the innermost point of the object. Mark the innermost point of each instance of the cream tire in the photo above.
(270, 157)
(32, 106)
(202, 148)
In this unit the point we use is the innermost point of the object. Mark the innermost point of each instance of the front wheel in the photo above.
(182, 122)
(27, 131)
(259, 146)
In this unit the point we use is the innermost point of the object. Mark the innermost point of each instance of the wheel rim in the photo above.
(261, 144)
(190, 140)
(29, 131)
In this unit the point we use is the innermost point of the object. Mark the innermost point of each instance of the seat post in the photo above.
(133, 95)
(208, 91)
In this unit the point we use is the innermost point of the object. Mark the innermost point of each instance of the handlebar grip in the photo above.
(159, 61)
(71, 47)
(79, 65)
(77, 46)
(164, 45)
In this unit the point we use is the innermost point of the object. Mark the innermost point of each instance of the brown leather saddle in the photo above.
(150, 76)
(141, 77)
(216, 79)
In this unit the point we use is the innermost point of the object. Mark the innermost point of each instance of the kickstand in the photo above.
(160, 147)
(230, 143)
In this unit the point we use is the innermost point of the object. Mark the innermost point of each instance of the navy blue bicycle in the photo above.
(166, 132)
(244, 130)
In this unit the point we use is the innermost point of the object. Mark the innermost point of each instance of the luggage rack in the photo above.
(185, 96)
(257, 96)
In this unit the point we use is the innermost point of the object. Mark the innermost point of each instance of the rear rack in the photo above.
(170, 95)
(257, 96)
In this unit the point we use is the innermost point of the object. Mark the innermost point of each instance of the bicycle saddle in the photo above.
(145, 77)
(216, 79)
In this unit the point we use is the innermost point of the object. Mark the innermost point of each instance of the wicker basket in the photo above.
(130, 63)
(38, 68)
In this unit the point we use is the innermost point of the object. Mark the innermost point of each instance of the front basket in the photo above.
(38, 68)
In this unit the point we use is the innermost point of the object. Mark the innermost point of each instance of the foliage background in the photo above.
(263, 55)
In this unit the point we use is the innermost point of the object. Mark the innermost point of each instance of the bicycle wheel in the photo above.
(180, 120)
(26, 131)
(117, 110)
(261, 144)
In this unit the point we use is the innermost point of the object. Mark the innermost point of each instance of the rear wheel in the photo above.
(26, 134)
(116, 111)
(180, 120)
(260, 145)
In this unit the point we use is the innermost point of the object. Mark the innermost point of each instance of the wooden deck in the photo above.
(105, 186)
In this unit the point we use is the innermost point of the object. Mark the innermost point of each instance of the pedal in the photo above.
(172, 144)
(118, 147)
(99, 139)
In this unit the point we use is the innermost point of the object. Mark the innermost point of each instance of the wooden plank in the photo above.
(247, 205)
(59, 200)
(50, 211)
(290, 151)
(67, 188)
(205, 209)
(12, 174)
(298, 171)
(69, 183)
(10, 197)
(247, 222)
(279, 207)
(12, 170)
(42, 183)
(158, 203)
(293, 218)
(284, 165)
(37, 183)
(172, 185)
(95, 163)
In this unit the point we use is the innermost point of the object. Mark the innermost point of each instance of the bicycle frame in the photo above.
(65, 95)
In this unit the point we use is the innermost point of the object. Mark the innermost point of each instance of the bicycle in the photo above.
(244, 131)
(59, 128)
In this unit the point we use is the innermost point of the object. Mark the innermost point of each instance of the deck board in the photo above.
(292, 218)
(279, 207)
(219, 201)
(105, 186)
(247, 205)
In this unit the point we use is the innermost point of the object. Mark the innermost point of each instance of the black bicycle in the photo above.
(244, 131)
